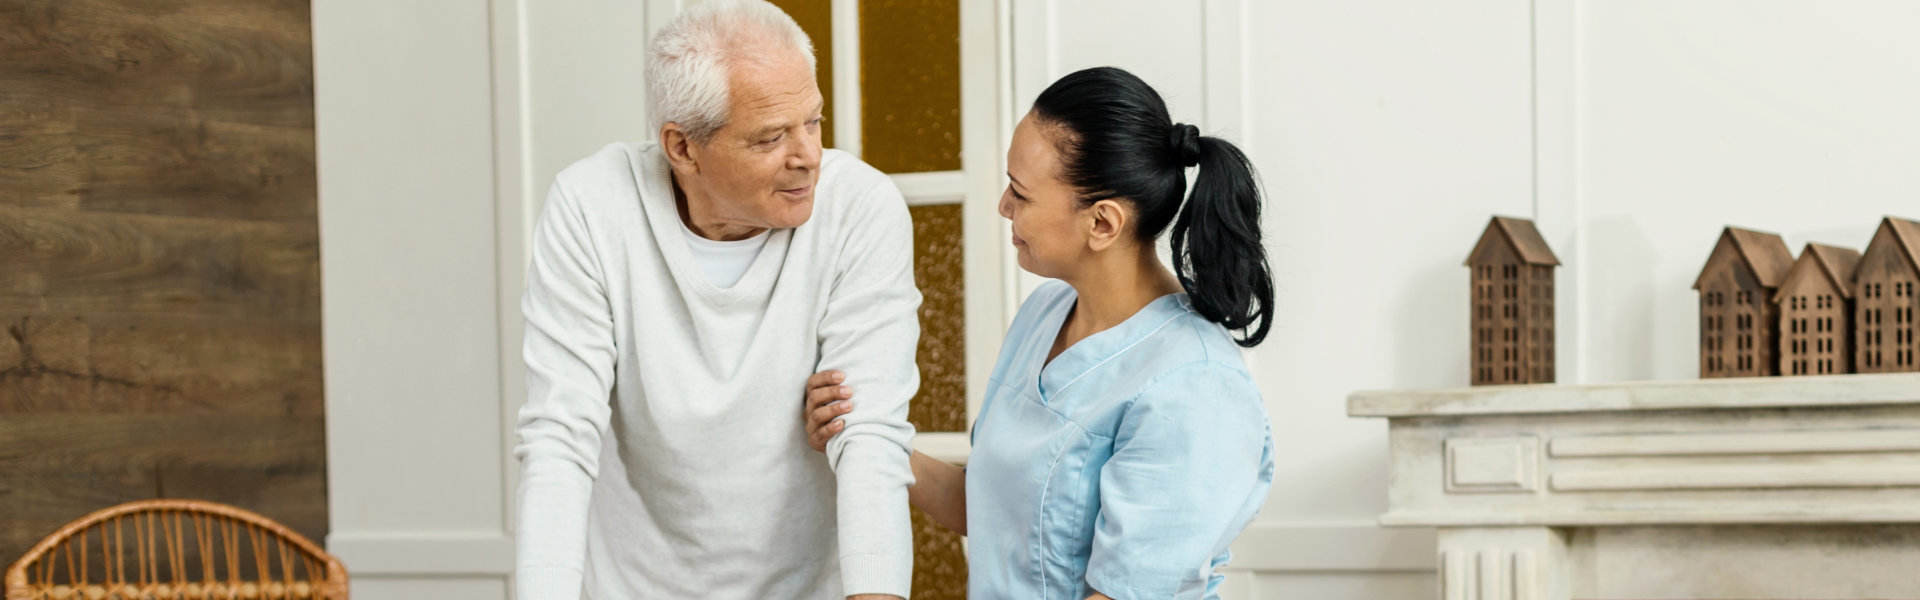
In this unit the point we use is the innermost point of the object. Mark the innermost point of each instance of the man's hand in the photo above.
(827, 400)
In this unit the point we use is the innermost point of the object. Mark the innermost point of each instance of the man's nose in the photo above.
(806, 155)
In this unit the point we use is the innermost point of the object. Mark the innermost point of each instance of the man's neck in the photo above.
(702, 222)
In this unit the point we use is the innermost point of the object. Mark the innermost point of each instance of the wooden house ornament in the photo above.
(1815, 303)
(1738, 319)
(1511, 270)
(1885, 302)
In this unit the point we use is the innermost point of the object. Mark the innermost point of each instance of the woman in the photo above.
(1122, 445)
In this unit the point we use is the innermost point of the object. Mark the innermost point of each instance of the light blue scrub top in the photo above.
(1126, 466)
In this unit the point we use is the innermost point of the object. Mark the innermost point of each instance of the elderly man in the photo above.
(681, 292)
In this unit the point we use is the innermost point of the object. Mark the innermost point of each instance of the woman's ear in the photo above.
(1108, 220)
(679, 148)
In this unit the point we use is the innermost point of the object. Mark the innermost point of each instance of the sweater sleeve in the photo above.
(570, 355)
(871, 331)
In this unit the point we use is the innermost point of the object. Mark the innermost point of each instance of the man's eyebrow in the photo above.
(766, 130)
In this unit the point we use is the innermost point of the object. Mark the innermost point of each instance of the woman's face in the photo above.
(1050, 228)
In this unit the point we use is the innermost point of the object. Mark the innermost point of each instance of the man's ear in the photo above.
(1108, 221)
(679, 147)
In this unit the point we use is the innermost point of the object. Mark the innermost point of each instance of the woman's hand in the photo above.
(827, 401)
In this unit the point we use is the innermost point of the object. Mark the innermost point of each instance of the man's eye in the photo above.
(772, 139)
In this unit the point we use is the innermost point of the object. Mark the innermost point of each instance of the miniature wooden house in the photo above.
(1738, 319)
(1512, 277)
(1815, 304)
(1885, 302)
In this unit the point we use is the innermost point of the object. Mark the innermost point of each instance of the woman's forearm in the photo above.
(940, 490)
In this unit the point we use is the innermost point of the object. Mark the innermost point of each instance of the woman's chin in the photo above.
(1027, 263)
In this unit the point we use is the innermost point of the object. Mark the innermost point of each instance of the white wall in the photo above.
(1791, 116)
(405, 142)
(1387, 131)
(440, 125)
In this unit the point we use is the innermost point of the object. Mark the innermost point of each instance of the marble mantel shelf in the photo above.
(1798, 484)
(1829, 390)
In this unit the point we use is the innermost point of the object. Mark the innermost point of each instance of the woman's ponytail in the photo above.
(1217, 250)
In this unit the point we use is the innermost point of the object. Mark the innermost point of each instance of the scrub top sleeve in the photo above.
(1188, 455)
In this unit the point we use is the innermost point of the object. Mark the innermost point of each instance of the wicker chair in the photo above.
(180, 549)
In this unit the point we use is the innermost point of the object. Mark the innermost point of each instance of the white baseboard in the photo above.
(423, 553)
(1265, 547)
(1338, 546)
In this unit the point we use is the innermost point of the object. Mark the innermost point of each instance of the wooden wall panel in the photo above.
(159, 261)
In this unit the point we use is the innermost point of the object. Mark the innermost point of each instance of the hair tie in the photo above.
(1185, 142)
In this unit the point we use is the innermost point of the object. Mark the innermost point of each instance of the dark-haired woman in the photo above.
(1122, 445)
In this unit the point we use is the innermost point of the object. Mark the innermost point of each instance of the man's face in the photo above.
(759, 170)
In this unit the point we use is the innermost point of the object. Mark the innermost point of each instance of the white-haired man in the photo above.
(681, 293)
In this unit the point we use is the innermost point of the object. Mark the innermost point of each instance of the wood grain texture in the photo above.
(159, 261)
(56, 467)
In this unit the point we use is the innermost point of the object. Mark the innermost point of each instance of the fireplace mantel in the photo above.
(1728, 488)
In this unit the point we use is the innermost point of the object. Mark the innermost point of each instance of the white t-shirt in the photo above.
(724, 262)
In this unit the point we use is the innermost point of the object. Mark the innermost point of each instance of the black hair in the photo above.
(1117, 141)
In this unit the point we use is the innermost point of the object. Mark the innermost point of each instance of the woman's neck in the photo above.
(1113, 290)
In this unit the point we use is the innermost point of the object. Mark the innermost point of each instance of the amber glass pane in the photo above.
(937, 267)
(939, 561)
(910, 85)
(816, 18)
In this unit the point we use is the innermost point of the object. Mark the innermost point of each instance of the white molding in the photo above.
(1223, 33)
(948, 446)
(1737, 477)
(1830, 441)
(423, 553)
(1009, 270)
(983, 125)
(1890, 513)
(932, 188)
(846, 76)
(1486, 465)
(515, 206)
(1033, 63)
(1815, 391)
(1224, 72)
(1557, 209)
(1318, 547)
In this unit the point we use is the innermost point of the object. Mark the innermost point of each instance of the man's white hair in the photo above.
(687, 61)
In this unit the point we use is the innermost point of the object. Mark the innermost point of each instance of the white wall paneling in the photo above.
(439, 127)
(405, 141)
(1386, 133)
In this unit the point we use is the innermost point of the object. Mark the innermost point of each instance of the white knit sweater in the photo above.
(662, 452)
